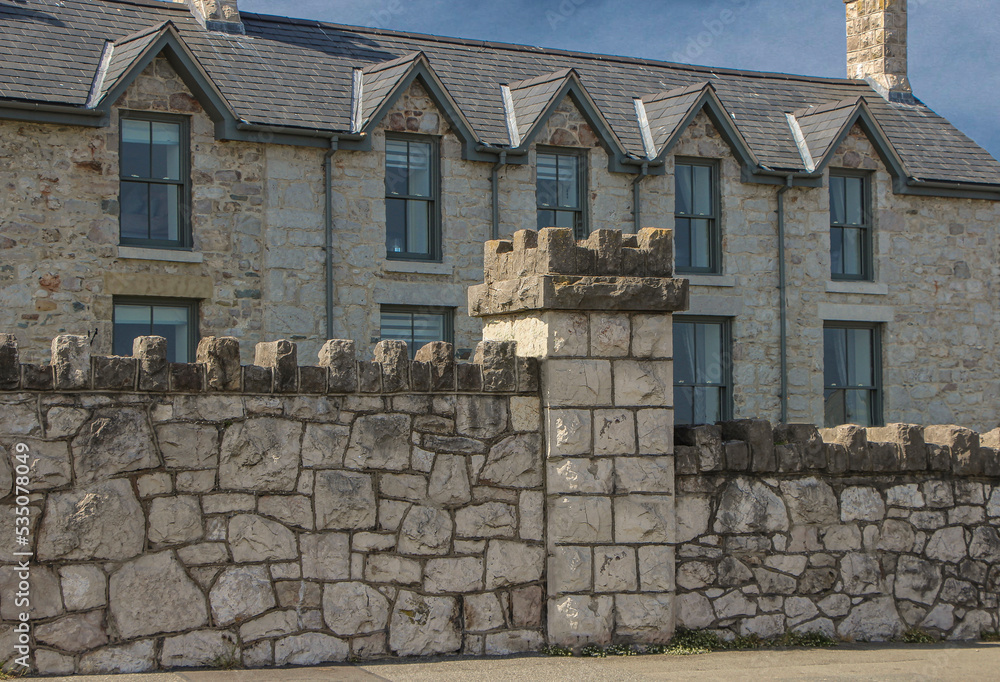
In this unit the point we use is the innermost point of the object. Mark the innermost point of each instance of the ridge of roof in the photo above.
(159, 4)
(540, 80)
(519, 47)
(143, 32)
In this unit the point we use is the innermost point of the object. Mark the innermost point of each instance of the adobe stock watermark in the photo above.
(715, 28)
(22, 556)
(563, 11)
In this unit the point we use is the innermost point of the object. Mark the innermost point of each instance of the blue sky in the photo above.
(954, 58)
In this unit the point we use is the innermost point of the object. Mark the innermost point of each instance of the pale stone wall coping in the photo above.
(418, 267)
(710, 280)
(867, 288)
(714, 305)
(851, 312)
(169, 255)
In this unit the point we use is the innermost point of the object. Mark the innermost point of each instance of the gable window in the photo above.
(417, 325)
(703, 391)
(176, 320)
(850, 227)
(412, 225)
(560, 188)
(697, 239)
(852, 374)
(154, 190)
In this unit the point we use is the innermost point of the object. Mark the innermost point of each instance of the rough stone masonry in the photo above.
(219, 514)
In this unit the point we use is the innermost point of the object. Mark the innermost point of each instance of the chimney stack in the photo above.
(218, 15)
(876, 45)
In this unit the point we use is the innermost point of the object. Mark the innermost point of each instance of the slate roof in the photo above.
(298, 73)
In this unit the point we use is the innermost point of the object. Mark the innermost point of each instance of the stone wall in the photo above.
(862, 534)
(211, 514)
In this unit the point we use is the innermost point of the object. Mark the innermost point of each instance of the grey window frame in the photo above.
(715, 234)
(877, 390)
(185, 239)
(582, 230)
(868, 229)
(193, 305)
(447, 312)
(727, 407)
(435, 239)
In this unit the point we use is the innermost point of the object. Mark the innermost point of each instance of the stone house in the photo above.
(186, 170)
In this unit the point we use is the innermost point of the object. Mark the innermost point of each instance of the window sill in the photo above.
(417, 267)
(848, 287)
(166, 255)
(697, 280)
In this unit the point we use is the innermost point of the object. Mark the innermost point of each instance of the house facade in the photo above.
(190, 171)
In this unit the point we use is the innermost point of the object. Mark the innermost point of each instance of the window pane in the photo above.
(416, 329)
(684, 404)
(835, 412)
(418, 226)
(709, 368)
(835, 358)
(684, 352)
(134, 152)
(395, 225)
(565, 219)
(855, 201)
(397, 326)
(852, 254)
(682, 242)
(707, 405)
(838, 212)
(395, 167)
(163, 212)
(859, 407)
(166, 151)
(546, 218)
(837, 250)
(420, 169)
(682, 183)
(701, 243)
(569, 182)
(130, 321)
(859, 355)
(701, 180)
(173, 324)
(427, 328)
(546, 185)
(134, 210)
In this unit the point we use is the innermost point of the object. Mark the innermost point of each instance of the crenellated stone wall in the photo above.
(862, 534)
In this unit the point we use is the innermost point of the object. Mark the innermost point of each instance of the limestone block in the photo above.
(614, 569)
(340, 358)
(240, 593)
(462, 575)
(917, 580)
(576, 383)
(514, 462)
(609, 335)
(652, 336)
(758, 436)
(644, 618)
(489, 520)
(261, 453)
(861, 503)
(324, 445)
(198, 649)
(568, 432)
(513, 642)
(113, 441)
(570, 570)
(281, 357)
(938, 494)
(973, 625)
(388, 568)
(574, 519)
(221, 357)
(985, 545)
(449, 481)
(412, 487)
(733, 604)
(499, 365)
(694, 611)
(807, 440)
(379, 441)
(695, 575)
(842, 538)
(525, 413)
(873, 621)
(655, 431)
(749, 506)
(513, 563)
(482, 612)
(394, 359)
(114, 373)
(644, 383)
(84, 587)
(44, 599)
(656, 568)
(270, 625)
(425, 531)
(766, 627)
(908, 496)
(910, 441)
(253, 538)
(153, 594)
(71, 362)
(526, 606)
(854, 439)
(577, 620)
(291, 510)
(647, 519)
(810, 501)
(771, 582)
(861, 574)
(693, 513)
(310, 648)
(64, 421)
(10, 363)
(614, 432)
(151, 353)
(188, 446)
(106, 522)
(469, 378)
(174, 519)
(186, 376)
(793, 565)
(136, 657)
(52, 663)
(440, 356)
(354, 608)
(580, 476)
(422, 626)
(49, 462)
(36, 377)
(644, 474)
(344, 500)
(325, 556)
(480, 416)
(898, 536)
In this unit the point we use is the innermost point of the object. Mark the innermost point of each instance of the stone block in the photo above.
(113, 373)
(528, 373)
(344, 500)
(574, 475)
(644, 475)
(151, 354)
(658, 246)
(615, 569)
(84, 587)
(577, 383)
(254, 538)
(462, 575)
(420, 377)
(909, 440)
(310, 648)
(655, 431)
(10, 363)
(422, 626)
(855, 440)
(198, 649)
(379, 441)
(514, 462)
(261, 453)
(614, 432)
(187, 377)
(71, 362)
(174, 520)
(570, 570)
(498, 361)
(806, 436)
(135, 657)
(644, 383)
(646, 519)
(759, 437)
(861, 503)
(810, 501)
(574, 519)
(257, 379)
(281, 357)
(652, 336)
(556, 251)
(469, 377)
(569, 432)
(749, 506)
(339, 357)
(221, 357)
(425, 531)
(578, 620)
(449, 481)
(440, 357)
(656, 568)
(153, 594)
(354, 608)
(394, 359)
(36, 377)
(115, 440)
(645, 618)
(609, 335)
(480, 416)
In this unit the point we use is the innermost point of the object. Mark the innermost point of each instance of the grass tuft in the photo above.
(917, 636)
(621, 650)
(991, 636)
(593, 651)
(557, 651)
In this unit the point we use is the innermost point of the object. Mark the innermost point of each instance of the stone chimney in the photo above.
(876, 45)
(218, 15)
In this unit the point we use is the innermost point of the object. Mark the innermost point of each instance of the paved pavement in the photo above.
(966, 662)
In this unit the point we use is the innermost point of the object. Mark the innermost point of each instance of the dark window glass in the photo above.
(851, 375)
(153, 184)
(696, 222)
(416, 326)
(702, 370)
(850, 228)
(174, 321)
(559, 191)
(410, 189)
